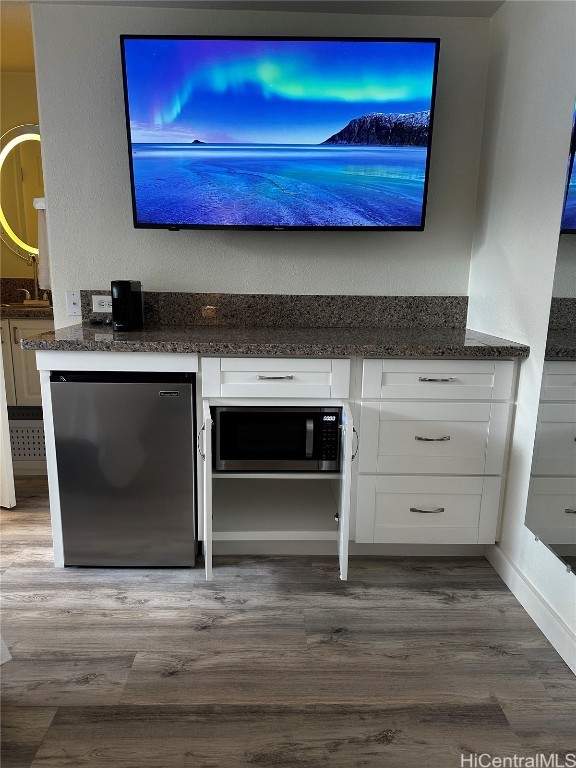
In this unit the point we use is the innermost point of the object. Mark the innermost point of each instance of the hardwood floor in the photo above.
(412, 662)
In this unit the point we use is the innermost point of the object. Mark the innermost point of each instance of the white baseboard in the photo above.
(286, 547)
(547, 620)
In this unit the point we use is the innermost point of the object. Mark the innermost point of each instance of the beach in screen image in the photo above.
(278, 186)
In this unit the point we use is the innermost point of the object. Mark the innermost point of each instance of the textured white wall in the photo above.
(531, 86)
(87, 180)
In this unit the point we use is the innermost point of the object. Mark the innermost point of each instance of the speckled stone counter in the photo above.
(561, 344)
(283, 342)
(29, 313)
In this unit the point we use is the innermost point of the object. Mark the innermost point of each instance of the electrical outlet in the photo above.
(101, 303)
(73, 303)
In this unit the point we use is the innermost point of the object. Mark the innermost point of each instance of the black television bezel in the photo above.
(258, 227)
(571, 157)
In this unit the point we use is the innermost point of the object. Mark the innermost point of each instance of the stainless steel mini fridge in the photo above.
(124, 451)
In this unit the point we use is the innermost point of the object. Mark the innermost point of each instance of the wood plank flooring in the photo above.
(412, 662)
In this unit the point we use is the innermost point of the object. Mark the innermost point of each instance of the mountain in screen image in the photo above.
(378, 129)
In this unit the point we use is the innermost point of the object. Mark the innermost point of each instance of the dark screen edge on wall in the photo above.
(568, 223)
(373, 175)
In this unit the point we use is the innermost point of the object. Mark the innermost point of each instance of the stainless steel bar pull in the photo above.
(309, 437)
(427, 511)
(432, 439)
(274, 378)
(437, 380)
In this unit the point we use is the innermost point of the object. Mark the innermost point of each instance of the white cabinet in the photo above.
(551, 512)
(438, 379)
(268, 507)
(275, 377)
(7, 361)
(433, 446)
(20, 373)
(439, 437)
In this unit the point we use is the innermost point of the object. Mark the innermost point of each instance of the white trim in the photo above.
(547, 620)
(7, 491)
(52, 467)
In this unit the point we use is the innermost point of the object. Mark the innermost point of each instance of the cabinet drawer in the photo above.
(437, 438)
(559, 380)
(427, 510)
(275, 377)
(438, 379)
(548, 501)
(555, 447)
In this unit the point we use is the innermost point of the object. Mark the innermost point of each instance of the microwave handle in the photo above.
(309, 438)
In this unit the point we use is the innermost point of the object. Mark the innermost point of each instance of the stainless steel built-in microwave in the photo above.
(276, 439)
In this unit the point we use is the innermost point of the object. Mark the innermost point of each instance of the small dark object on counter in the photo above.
(127, 306)
(96, 321)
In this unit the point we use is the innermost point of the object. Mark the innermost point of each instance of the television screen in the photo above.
(291, 133)
(568, 224)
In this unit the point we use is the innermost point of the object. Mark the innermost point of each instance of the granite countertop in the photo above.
(561, 344)
(30, 313)
(282, 342)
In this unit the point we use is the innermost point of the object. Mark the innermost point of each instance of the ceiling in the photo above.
(477, 8)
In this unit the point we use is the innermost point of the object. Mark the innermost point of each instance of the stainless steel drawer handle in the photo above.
(274, 378)
(437, 380)
(432, 439)
(570, 511)
(427, 511)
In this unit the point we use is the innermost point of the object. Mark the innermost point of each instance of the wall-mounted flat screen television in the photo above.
(279, 133)
(568, 225)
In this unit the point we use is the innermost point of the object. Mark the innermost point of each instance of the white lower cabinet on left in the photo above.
(275, 507)
(20, 373)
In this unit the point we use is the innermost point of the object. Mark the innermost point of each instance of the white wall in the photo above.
(531, 87)
(87, 180)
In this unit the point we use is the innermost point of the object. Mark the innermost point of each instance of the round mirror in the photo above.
(20, 182)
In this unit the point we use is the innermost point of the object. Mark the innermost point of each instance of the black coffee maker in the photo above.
(127, 305)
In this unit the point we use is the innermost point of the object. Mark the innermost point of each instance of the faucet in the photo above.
(34, 261)
(36, 300)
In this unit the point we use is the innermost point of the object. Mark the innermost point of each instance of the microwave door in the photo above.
(261, 439)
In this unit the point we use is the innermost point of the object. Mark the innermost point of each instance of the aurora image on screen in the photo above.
(568, 224)
(290, 133)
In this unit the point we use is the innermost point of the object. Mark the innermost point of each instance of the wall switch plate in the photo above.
(102, 303)
(73, 303)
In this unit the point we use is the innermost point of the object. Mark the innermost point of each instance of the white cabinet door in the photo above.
(559, 380)
(26, 377)
(437, 379)
(427, 509)
(552, 509)
(345, 487)
(275, 377)
(555, 447)
(400, 437)
(207, 494)
(7, 363)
